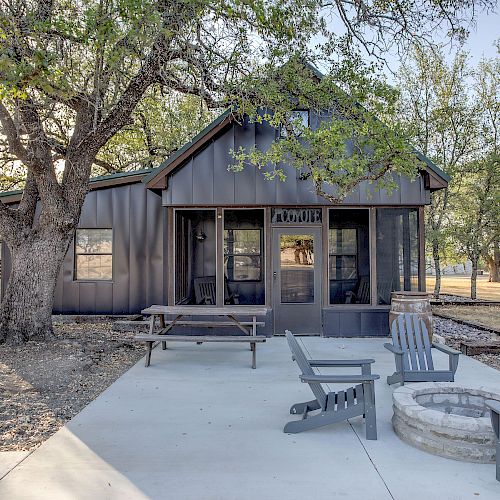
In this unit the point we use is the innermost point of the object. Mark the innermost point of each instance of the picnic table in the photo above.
(229, 314)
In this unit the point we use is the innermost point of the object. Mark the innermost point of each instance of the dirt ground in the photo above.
(460, 285)
(44, 384)
(488, 316)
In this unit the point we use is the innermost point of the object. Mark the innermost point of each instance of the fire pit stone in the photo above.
(446, 419)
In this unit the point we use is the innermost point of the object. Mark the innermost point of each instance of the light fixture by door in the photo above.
(200, 236)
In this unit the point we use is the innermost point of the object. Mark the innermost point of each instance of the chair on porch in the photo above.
(204, 291)
(362, 294)
(411, 347)
(333, 406)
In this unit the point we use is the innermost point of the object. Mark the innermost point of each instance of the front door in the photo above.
(297, 280)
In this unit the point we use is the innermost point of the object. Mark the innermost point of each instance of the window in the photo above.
(299, 119)
(349, 256)
(94, 254)
(244, 258)
(343, 254)
(397, 251)
(195, 257)
(242, 254)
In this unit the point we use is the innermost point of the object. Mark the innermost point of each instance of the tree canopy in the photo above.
(78, 80)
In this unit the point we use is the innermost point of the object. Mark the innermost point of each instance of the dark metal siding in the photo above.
(205, 180)
(367, 322)
(139, 278)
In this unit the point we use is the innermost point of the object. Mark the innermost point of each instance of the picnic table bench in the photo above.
(249, 328)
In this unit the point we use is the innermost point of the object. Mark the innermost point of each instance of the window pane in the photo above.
(244, 256)
(397, 251)
(195, 257)
(242, 241)
(299, 119)
(94, 241)
(94, 267)
(343, 241)
(349, 259)
(297, 268)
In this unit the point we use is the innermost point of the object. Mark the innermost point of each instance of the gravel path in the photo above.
(454, 333)
(44, 384)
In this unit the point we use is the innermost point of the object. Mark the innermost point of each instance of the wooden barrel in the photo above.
(412, 302)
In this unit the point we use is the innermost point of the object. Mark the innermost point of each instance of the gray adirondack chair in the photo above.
(494, 407)
(204, 291)
(333, 406)
(362, 294)
(412, 352)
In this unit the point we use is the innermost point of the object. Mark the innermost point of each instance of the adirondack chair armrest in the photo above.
(445, 348)
(325, 379)
(493, 405)
(394, 349)
(340, 362)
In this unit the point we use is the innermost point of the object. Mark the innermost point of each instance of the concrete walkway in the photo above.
(201, 424)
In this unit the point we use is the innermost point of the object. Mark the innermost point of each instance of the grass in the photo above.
(488, 316)
(460, 285)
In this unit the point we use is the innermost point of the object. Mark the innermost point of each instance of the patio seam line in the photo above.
(372, 462)
(21, 461)
(355, 433)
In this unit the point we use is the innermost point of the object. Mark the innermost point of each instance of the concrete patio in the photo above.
(201, 424)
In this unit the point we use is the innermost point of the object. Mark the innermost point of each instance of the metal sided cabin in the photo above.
(193, 232)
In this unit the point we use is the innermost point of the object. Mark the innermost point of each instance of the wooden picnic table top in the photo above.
(203, 310)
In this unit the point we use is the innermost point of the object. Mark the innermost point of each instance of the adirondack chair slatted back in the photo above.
(364, 291)
(306, 369)
(410, 334)
(204, 290)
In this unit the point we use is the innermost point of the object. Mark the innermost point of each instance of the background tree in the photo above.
(74, 73)
(476, 210)
(440, 115)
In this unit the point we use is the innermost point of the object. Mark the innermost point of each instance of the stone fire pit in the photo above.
(446, 419)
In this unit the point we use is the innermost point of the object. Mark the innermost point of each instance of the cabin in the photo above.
(192, 232)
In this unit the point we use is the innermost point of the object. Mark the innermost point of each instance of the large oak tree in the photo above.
(73, 72)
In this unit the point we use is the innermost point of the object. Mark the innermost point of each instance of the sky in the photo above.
(480, 42)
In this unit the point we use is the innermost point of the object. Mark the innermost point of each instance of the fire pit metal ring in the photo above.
(446, 419)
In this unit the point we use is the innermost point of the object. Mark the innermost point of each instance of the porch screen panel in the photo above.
(244, 257)
(195, 257)
(397, 251)
(349, 256)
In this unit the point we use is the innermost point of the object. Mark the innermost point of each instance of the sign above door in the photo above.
(296, 216)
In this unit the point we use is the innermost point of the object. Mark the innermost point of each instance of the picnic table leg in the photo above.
(148, 353)
(253, 347)
(162, 326)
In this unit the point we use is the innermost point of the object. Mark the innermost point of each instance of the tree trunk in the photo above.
(26, 309)
(494, 265)
(473, 279)
(437, 266)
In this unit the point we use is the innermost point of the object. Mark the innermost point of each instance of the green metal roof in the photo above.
(108, 177)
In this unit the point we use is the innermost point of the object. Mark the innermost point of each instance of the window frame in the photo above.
(75, 255)
(343, 254)
(259, 255)
(370, 227)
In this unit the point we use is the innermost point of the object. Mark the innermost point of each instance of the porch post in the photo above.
(373, 256)
(421, 249)
(219, 273)
(170, 267)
